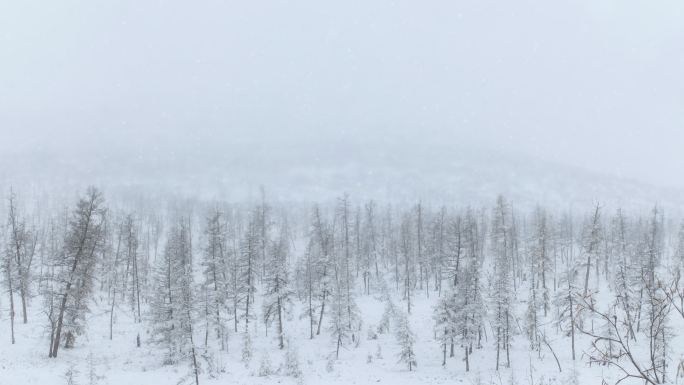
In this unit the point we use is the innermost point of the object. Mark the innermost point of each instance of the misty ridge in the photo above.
(305, 192)
(303, 172)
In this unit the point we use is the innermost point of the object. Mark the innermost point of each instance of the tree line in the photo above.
(195, 275)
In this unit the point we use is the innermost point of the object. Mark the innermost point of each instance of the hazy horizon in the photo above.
(595, 85)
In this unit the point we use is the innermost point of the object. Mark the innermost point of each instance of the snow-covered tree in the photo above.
(75, 266)
(592, 239)
(566, 302)
(292, 366)
(277, 292)
(306, 271)
(445, 317)
(423, 262)
(625, 272)
(247, 273)
(340, 328)
(679, 250)
(470, 305)
(20, 249)
(406, 341)
(215, 273)
(438, 248)
(369, 246)
(541, 258)
(130, 247)
(345, 282)
(407, 261)
(173, 311)
(323, 261)
(501, 286)
(456, 249)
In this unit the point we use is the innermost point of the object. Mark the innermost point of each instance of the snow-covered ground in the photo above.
(119, 361)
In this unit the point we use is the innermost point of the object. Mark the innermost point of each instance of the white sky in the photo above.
(591, 83)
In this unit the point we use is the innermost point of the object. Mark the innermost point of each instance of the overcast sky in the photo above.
(592, 83)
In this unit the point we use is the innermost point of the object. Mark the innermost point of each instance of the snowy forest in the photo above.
(194, 292)
(388, 192)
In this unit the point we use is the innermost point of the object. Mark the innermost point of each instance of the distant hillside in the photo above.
(304, 171)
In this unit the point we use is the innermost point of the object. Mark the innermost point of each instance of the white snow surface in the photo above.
(119, 361)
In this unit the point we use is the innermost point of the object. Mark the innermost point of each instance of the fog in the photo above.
(591, 84)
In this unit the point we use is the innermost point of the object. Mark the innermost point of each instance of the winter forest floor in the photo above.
(98, 360)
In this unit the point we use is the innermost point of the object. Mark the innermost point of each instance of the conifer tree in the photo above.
(75, 267)
(173, 310)
(501, 287)
(20, 250)
(215, 272)
(406, 340)
(277, 294)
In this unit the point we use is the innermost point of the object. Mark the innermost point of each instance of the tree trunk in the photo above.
(572, 325)
(60, 320)
(444, 349)
(466, 359)
(507, 340)
(311, 313)
(498, 345)
(62, 307)
(11, 297)
(451, 347)
(320, 319)
(280, 325)
(111, 315)
(22, 293)
(586, 276)
(194, 356)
